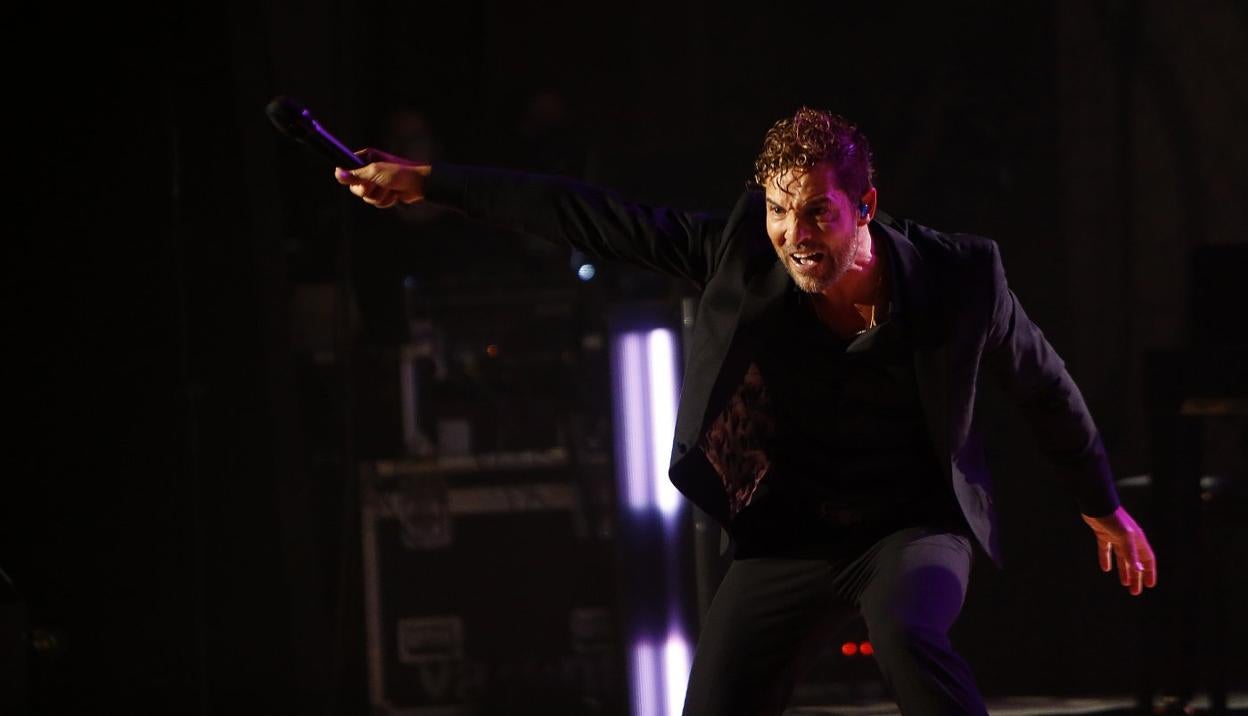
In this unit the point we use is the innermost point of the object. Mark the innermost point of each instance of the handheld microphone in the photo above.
(295, 121)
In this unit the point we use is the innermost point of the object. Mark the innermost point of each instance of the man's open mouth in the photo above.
(807, 259)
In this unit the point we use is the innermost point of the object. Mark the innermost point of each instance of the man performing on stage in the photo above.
(826, 418)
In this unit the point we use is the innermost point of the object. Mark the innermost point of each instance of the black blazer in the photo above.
(954, 301)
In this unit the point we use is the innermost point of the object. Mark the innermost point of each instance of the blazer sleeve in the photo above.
(596, 221)
(1035, 377)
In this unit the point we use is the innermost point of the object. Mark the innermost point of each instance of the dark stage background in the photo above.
(177, 509)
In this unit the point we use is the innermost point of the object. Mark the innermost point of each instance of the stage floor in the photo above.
(1024, 706)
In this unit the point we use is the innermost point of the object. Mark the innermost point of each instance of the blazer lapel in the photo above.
(765, 285)
(922, 313)
(763, 293)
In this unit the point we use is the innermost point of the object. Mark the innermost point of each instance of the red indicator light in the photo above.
(866, 649)
(849, 648)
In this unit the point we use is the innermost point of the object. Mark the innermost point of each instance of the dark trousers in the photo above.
(771, 615)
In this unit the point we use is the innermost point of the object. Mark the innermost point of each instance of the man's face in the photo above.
(813, 226)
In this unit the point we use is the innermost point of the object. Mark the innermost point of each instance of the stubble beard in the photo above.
(835, 267)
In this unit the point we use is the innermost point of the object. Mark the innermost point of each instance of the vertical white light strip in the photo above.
(675, 670)
(631, 366)
(646, 701)
(661, 371)
(646, 388)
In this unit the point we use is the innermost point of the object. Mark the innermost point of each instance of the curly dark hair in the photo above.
(812, 136)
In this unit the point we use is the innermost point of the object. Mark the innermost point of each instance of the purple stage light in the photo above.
(660, 692)
(645, 378)
(676, 669)
(645, 681)
(646, 382)
(631, 415)
(661, 394)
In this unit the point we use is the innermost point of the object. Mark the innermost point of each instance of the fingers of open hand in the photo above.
(1148, 561)
(1128, 569)
(1119, 539)
(1137, 567)
(1132, 576)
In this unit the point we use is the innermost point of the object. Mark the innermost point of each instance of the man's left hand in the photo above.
(1118, 535)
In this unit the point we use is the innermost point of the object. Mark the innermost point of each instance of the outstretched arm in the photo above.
(1036, 378)
(596, 221)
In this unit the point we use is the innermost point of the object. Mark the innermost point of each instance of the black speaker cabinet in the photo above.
(489, 587)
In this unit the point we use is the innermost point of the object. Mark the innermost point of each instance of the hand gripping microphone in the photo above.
(295, 121)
